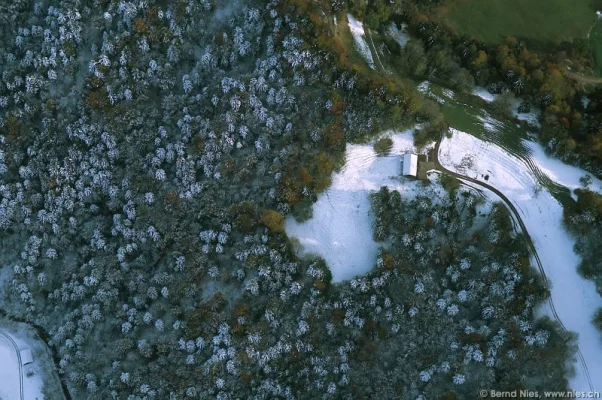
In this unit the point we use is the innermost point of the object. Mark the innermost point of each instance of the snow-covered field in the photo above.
(9, 372)
(357, 30)
(340, 230)
(574, 297)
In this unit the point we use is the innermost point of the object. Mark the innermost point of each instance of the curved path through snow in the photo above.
(514, 212)
(16, 347)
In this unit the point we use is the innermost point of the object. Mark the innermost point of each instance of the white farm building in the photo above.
(409, 164)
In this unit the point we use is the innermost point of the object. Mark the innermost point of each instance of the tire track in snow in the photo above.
(376, 53)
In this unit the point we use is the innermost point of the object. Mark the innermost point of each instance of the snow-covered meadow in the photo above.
(9, 371)
(574, 297)
(357, 31)
(340, 230)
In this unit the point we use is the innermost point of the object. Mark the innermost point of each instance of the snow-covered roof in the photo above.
(410, 164)
(26, 356)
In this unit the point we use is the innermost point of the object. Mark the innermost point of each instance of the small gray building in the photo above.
(26, 356)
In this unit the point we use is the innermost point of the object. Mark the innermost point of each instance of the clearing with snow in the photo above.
(12, 370)
(341, 227)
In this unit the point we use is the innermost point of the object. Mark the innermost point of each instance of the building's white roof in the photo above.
(26, 356)
(410, 164)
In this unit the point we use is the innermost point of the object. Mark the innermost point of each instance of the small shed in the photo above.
(26, 356)
(410, 164)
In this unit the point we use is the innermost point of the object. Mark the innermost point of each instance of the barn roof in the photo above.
(410, 164)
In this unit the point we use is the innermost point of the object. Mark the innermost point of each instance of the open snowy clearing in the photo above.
(357, 30)
(574, 297)
(340, 230)
(9, 371)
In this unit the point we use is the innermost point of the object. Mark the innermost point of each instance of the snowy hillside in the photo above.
(574, 297)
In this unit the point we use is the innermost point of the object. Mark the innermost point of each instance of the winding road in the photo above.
(515, 214)
(16, 347)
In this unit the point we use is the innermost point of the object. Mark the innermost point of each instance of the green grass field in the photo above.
(538, 22)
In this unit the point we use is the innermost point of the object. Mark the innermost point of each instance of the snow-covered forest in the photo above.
(150, 152)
